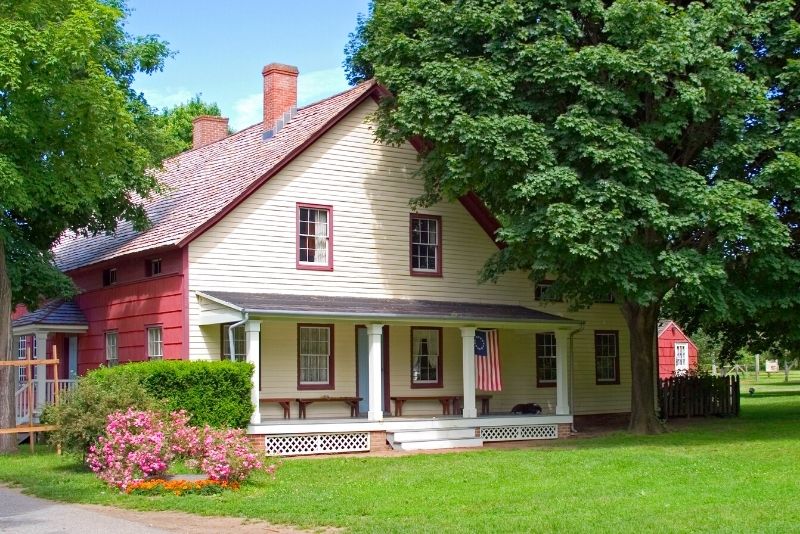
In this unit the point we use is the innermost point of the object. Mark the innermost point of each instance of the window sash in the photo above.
(541, 293)
(314, 348)
(546, 366)
(239, 343)
(112, 355)
(425, 244)
(155, 343)
(314, 236)
(606, 355)
(425, 356)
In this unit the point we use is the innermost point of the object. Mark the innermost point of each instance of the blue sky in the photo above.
(221, 46)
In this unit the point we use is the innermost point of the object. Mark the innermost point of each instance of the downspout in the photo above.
(231, 340)
(571, 377)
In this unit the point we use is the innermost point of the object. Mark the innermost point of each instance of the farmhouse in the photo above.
(292, 245)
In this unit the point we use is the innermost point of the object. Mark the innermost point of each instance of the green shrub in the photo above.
(214, 393)
(81, 415)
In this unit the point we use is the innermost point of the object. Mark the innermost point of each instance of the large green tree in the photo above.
(177, 122)
(75, 143)
(632, 146)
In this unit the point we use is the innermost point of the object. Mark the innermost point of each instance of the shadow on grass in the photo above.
(759, 394)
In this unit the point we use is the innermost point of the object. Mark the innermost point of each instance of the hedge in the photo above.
(214, 393)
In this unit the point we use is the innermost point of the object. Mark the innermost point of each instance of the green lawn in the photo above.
(727, 475)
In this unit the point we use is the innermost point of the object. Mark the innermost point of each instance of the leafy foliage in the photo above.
(177, 123)
(213, 393)
(638, 147)
(82, 414)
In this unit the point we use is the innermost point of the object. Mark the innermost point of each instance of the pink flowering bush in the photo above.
(140, 445)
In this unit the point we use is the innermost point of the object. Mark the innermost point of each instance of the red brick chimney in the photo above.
(207, 129)
(280, 92)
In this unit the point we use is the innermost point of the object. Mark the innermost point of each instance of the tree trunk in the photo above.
(8, 419)
(641, 321)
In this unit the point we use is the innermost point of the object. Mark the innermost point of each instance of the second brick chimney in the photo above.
(208, 129)
(280, 92)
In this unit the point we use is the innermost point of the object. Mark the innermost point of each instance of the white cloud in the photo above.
(311, 87)
(168, 97)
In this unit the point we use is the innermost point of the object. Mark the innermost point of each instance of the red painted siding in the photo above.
(129, 306)
(666, 350)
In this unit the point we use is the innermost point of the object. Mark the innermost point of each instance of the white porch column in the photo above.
(468, 355)
(252, 332)
(375, 334)
(562, 377)
(41, 371)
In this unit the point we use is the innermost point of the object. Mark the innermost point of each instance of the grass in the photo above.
(704, 475)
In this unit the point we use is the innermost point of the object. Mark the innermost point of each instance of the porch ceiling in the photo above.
(383, 310)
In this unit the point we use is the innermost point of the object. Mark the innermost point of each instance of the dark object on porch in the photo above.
(685, 396)
(350, 401)
(530, 408)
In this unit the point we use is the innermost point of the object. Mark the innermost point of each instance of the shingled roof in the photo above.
(201, 183)
(55, 312)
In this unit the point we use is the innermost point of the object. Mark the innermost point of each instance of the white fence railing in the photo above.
(22, 397)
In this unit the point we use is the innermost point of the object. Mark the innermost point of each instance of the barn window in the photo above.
(109, 277)
(155, 343)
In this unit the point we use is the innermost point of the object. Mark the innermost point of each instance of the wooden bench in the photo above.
(285, 404)
(459, 403)
(350, 401)
(445, 400)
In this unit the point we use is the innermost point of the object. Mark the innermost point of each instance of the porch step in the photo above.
(416, 440)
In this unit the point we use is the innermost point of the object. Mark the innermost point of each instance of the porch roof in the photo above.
(53, 316)
(371, 309)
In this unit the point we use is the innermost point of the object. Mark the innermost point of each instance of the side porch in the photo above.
(342, 374)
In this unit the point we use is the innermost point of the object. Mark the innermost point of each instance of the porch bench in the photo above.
(284, 403)
(459, 403)
(445, 400)
(350, 401)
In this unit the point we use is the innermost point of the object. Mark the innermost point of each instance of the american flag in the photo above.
(487, 361)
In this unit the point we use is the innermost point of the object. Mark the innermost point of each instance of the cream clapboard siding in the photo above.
(369, 187)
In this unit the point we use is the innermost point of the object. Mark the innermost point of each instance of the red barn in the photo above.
(676, 352)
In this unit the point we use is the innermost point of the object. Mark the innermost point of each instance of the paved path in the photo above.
(24, 514)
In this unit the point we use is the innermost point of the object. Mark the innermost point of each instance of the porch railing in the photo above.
(22, 397)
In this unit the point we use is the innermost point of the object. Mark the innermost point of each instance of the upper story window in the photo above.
(606, 356)
(314, 237)
(239, 343)
(546, 368)
(152, 267)
(155, 343)
(315, 356)
(426, 245)
(426, 357)
(543, 292)
(109, 276)
(112, 355)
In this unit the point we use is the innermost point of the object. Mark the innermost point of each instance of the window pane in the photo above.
(425, 356)
(314, 354)
(424, 244)
(546, 371)
(313, 236)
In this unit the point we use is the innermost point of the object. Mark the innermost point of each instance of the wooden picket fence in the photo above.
(688, 396)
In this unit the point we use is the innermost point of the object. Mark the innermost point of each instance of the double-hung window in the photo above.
(239, 343)
(314, 237)
(543, 292)
(681, 356)
(155, 343)
(22, 347)
(426, 357)
(112, 355)
(315, 356)
(426, 245)
(606, 356)
(546, 360)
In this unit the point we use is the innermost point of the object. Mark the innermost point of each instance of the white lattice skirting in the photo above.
(511, 433)
(297, 444)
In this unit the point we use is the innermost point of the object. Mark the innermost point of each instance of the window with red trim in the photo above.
(314, 237)
(426, 245)
(315, 356)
